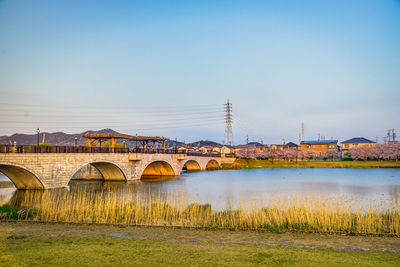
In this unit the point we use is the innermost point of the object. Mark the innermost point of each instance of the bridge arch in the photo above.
(21, 177)
(191, 166)
(158, 168)
(212, 165)
(109, 170)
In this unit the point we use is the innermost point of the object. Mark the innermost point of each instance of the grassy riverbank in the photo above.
(254, 164)
(82, 245)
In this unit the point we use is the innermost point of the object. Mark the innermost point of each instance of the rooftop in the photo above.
(186, 146)
(356, 140)
(319, 142)
(251, 144)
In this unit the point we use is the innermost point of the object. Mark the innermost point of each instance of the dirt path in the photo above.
(203, 236)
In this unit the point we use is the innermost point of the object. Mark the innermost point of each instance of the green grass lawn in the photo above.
(58, 245)
(68, 251)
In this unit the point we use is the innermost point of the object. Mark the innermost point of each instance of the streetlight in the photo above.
(37, 143)
(176, 141)
(76, 140)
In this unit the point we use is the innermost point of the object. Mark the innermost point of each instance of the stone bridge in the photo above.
(54, 170)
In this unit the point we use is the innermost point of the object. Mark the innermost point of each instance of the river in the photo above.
(225, 189)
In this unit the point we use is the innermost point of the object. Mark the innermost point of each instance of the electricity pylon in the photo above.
(228, 140)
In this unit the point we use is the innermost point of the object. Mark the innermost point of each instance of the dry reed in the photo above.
(311, 213)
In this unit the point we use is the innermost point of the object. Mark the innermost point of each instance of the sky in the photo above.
(167, 67)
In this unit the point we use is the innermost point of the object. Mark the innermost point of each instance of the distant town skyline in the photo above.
(167, 68)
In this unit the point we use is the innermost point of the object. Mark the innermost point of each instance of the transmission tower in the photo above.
(228, 124)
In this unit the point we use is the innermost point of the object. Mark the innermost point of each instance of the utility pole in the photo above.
(302, 132)
(247, 139)
(37, 143)
(389, 135)
(228, 124)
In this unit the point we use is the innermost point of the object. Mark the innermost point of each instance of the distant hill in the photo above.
(64, 139)
(57, 138)
(204, 143)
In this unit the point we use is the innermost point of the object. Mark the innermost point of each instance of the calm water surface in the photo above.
(224, 189)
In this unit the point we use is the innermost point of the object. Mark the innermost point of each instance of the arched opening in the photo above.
(99, 171)
(191, 166)
(7, 189)
(21, 178)
(212, 165)
(158, 168)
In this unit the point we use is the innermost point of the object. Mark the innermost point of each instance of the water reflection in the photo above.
(224, 189)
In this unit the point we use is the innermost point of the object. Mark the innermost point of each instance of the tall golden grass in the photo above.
(298, 213)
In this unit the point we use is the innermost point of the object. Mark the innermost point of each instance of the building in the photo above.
(205, 149)
(216, 149)
(226, 149)
(318, 146)
(186, 148)
(291, 145)
(285, 146)
(355, 142)
(258, 147)
(276, 147)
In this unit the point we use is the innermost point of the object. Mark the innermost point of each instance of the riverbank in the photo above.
(64, 244)
(255, 164)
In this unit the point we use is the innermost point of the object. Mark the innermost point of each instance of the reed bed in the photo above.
(281, 214)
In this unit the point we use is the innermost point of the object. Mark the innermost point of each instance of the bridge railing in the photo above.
(60, 149)
(201, 154)
(156, 151)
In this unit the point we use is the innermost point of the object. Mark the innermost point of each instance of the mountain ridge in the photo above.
(64, 139)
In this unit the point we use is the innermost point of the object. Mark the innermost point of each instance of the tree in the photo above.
(391, 151)
(249, 152)
(332, 154)
(309, 154)
(290, 154)
(364, 152)
(273, 154)
(263, 154)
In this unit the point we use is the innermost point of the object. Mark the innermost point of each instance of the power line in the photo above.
(121, 127)
(139, 118)
(159, 107)
(85, 114)
(180, 120)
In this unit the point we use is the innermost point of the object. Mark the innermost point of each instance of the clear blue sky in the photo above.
(334, 65)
